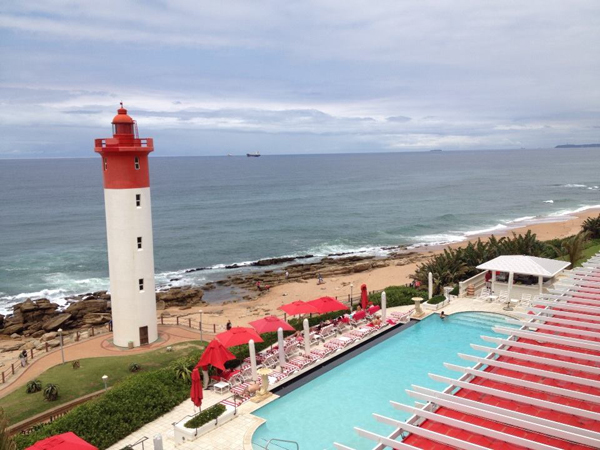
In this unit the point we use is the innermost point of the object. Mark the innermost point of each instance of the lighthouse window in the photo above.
(105, 164)
(137, 163)
(138, 200)
(141, 284)
(139, 243)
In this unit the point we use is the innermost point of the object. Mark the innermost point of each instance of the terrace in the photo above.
(538, 388)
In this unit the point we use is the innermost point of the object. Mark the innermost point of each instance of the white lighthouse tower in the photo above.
(129, 232)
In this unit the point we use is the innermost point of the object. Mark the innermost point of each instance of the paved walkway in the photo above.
(95, 347)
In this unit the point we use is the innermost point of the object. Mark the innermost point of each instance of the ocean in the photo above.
(209, 212)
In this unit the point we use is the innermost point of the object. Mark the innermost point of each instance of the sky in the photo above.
(212, 78)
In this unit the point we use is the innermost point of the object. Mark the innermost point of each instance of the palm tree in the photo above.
(6, 442)
(591, 225)
(573, 247)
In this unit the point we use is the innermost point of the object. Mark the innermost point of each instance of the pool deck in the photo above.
(237, 434)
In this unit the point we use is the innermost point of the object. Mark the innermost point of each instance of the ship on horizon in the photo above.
(253, 155)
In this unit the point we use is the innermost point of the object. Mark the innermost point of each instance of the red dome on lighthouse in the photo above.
(122, 116)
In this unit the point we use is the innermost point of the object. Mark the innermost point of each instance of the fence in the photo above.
(15, 367)
(29, 425)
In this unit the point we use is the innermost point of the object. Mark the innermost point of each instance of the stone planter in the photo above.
(183, 434)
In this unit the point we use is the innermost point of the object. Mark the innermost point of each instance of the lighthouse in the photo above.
(129, 232)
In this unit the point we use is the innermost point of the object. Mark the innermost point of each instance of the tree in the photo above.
(573, 247)
(591, 225)
(6, 442)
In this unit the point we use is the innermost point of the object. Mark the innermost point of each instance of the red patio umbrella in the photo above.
(327, 304)
(298, 307)
(196, 390)
(216, 355)
(65, 441)
(364, 297)
(238, 336)
(269, 324)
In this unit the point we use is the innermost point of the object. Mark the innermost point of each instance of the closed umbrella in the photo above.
(238, 336)
(327, 304)
(215, 354)
(298, 307)
(270, 324)
(196, 390)
(364, 297)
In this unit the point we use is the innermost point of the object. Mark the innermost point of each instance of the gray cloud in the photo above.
(375, 76)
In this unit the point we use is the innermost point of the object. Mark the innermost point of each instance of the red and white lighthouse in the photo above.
(129, 232)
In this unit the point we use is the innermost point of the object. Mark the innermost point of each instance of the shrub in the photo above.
(397, 296)
(182, 370)
(455, 291)
(437, 299)
(206, 416)
(51, 392)
(591, 225)
(134, 367)
(33, 386)
(119, 412)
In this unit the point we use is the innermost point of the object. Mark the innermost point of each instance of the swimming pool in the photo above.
(328, 408)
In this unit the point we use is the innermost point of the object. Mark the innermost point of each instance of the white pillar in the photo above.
(541, 282)
(493, 281)
(511, 277)
(281, 349)
(430, 276)
(252, 358)
(383, 306)
(205, 378)
(306, 336)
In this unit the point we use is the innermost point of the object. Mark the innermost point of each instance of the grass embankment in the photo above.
(587, 253)
(74, 383)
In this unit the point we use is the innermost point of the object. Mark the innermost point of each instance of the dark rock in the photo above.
(57, 322)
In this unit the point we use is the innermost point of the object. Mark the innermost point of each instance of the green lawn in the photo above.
(73, 384)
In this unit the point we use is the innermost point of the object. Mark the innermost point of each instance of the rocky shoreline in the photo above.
(35, 318)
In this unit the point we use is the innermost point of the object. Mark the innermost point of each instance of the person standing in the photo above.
(23, 358)
(228, 326)
(287, 274)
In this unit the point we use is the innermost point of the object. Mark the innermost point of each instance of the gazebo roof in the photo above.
(526, 265)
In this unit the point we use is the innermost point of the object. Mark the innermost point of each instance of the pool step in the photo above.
(481, 323)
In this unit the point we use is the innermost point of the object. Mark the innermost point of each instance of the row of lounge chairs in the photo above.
(333, 337)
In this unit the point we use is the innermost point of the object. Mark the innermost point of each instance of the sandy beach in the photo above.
(396, 273)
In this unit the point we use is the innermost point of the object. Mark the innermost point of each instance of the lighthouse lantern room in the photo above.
(129, 232)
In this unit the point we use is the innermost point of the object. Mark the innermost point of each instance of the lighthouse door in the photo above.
(143, 335)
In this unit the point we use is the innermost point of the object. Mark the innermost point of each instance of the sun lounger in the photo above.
(300, 362)
(235, 401)
(360, 333)
(288, 368)
(322, 352)
(328, 331)
(277, 376)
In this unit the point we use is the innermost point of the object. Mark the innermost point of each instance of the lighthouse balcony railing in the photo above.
(108, 142)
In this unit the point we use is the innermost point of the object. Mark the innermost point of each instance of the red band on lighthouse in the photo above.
(124, 156)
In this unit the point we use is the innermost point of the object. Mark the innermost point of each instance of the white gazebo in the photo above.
(524, 265)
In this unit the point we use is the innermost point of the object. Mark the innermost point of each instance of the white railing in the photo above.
(478, 281)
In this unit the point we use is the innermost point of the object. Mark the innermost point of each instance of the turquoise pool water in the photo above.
(328, 408)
